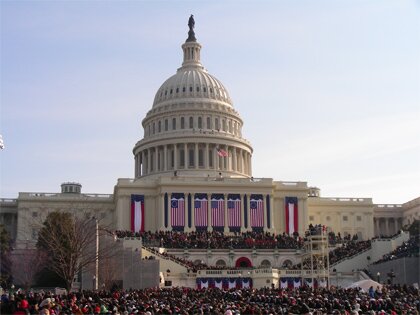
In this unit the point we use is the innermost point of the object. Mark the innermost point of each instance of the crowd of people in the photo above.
(407, 249)
(388, 300)
(216, 239)
(348, 249)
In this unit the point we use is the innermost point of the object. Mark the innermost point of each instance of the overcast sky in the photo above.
(329, 90)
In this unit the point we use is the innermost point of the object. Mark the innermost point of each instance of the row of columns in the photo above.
(168, 157)
(386, 228)
(243, 228)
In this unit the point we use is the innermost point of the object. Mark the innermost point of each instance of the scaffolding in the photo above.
(315, 260)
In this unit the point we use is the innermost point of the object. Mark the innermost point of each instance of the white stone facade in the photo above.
(193, 144)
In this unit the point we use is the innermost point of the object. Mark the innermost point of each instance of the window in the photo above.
(191, 157)
(200, 158)
(34, 214)
(230, 126)
(183, 89)
(191, 122)
(220, 263)
(191, 89)
(345, 218)
(210, 158)
(359, 218)
(154, 128)
(182, 123)
(311, 218)
(166, 92)
(166, 125)
(198, 89)
(173, 123)
(170, 92)
(159, 126)
(265, 263)
(216, 122)
(177, 90)
(200, 122)
(208, 123)
(181, 158)
(204, 89)
(224, 125)
(328, 218)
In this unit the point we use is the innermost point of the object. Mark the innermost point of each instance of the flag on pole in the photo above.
(137, 213)
(291, 214)
(221, 152)
(1, 142)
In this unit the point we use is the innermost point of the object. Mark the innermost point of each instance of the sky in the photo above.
(329, 91)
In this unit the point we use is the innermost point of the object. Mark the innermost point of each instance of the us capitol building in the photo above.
(193, 171)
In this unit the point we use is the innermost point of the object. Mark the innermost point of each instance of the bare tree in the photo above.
(26, 263)
(72, 244)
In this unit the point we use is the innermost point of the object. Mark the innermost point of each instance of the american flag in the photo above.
(234, 212)
(200, 211)
(178, 211)
(221, 152)
(257, 212)
(217, 212)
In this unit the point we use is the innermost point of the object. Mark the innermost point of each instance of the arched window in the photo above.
(208, 123)
(200, 123)
(287, 263)
(173, 123)
(216, 123)
(154, 128)
(182, 123)
(220, 263)
(166, 125)
(159, 126)
(191, 122)
(265, 263)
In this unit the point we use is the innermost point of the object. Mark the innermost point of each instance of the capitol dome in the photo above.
(192, 128)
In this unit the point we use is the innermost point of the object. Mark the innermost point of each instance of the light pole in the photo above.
(96, 275)
(378, 274)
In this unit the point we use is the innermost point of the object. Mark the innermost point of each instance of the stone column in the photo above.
(186, 162)
(248, 211)
(265, 212)
(250, 164)
(216, 160)
(165, 157)
(149, 160)
(209, 215)
(377, 227)
(143, 163)
(271, 216)
(169, 210)
(226, 228)
(196, 155)
(186, 212)
(243, 229)
(395, 225)
(156, 159)
(206, 157)
(387, 226)
(175, 157)
(234, 161)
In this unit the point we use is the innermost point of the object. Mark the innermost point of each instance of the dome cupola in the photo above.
(192, 128)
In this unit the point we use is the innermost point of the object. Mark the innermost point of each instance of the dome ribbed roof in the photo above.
(194, 83)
